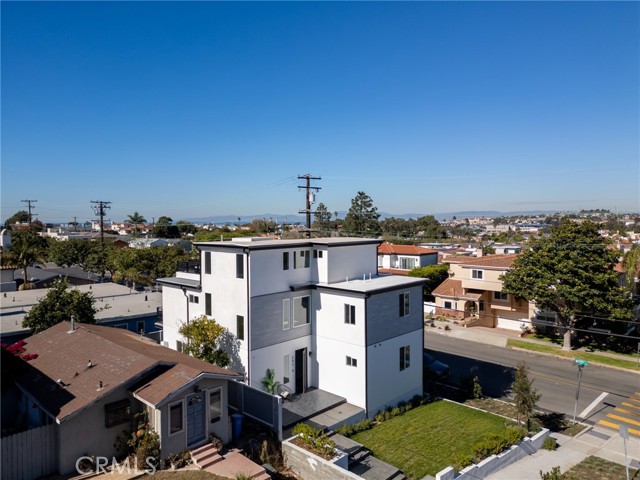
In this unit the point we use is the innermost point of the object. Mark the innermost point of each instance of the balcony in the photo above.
(189, 266)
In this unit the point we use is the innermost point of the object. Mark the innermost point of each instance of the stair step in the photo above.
(203, 448)
(360, 455)
(209, 460)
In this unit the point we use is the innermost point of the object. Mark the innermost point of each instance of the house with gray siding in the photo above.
(316, 311)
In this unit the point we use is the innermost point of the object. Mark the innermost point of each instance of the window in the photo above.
(140, 327)
(405, 357)
(286, 314)
(404, 304)
(352, 362)
(317, 253)
(500, 296)
(175, 418)
(286, 368)
(481, 305)
(349, 314)
(448, 304)
(302, 259)
(207, 304)
(240, 327)
(300, 311)
(407, 263)
(207, 262)
(477, 274)
(239, 265)
(194, 299)
(179, 346)
(307, 258)
(117, 413)
(285, 260)
(215, 405)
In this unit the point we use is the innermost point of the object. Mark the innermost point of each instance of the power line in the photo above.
(29, 202)
(99, 208)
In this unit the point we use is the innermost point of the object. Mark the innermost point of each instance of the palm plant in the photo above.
(25, 250)
(136, 219)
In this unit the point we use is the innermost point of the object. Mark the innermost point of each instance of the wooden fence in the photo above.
(28, 455)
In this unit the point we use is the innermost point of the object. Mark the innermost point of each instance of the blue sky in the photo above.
(213, 108)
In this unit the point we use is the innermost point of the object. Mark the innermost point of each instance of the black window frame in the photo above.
(207, 263)
(240, 327)
(208, 304)
(239, 265)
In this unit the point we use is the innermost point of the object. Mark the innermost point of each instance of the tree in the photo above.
(136, 219)
(630, 266)
(203, 335)
(570, 272)
(164, 228)
(71, 252)
(524, 395)
(430, 227)
(186, 227)
(26, 249)
(59, 304)
(362, 217)
(21, 216)
(322, 221)
(435, 275)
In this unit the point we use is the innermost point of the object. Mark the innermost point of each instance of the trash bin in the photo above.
(236, 425)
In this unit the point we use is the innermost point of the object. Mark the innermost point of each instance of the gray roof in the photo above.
(179, 282)
(264, 243)
(374, 284)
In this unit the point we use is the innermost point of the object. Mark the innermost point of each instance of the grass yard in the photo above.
(427, 439)
(631, 364)
(595, 468)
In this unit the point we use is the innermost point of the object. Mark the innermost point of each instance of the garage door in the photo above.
(510, 323)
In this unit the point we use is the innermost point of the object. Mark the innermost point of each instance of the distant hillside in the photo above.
(296, 218)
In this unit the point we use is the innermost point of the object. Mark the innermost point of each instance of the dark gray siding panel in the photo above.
(266, 319)
(383, 316)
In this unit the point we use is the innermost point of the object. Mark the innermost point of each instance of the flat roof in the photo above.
(258, 243)
(374, 283)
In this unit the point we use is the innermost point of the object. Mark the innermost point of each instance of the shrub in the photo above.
(491, 444)
(314, 440)
(515, 434)
(554, 474)
(550, 443)
(379, 417)
(395, 411)
(362, 425)
(345, 430)
(148, 451)
(461, 460)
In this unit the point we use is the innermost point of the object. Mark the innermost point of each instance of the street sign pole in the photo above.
(581, 364)
(624, 433)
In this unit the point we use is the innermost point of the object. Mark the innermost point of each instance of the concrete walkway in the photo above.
(594, 441)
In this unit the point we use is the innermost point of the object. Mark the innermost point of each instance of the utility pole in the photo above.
(29, 202)
(99, 208)
(310, 198)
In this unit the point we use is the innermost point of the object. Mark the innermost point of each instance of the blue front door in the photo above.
(196, 421)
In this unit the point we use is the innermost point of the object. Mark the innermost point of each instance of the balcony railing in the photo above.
(189, 266)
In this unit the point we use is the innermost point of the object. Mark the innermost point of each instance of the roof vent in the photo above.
(89, 364)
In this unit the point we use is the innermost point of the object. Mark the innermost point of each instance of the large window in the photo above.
(286, 314)
(500, 296)
(405, 357)
(240, 327)
(215, 405)
(207, 304)
(349, 314)
(239, 265)
(404, 302)
(407, 263)
(285, 260)
(477, 274)
(207, 262)
(175, 418)
(117, 413)
(301, 313)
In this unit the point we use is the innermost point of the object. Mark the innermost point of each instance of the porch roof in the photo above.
(453, 289)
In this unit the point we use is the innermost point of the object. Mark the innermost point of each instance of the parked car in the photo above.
(433, 368)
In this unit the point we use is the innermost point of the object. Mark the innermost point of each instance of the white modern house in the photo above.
(316, 311)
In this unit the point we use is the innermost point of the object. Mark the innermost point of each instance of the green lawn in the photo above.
(631, 364)
(595, 468)
(427, 439)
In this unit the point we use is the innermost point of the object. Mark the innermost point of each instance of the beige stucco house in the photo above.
(90, 381)
(473, 291)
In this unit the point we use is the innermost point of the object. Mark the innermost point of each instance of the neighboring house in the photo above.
(399, 259)
(474, 289)
(316, 311)
(148, 242)
(37, 278)
(118, 306)
(90, 381)
(75, 275)
(506, 249)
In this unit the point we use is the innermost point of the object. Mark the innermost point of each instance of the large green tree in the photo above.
(435, 275)
(141, 266)
(59, 304)
(322, 220)
(26, 249)
(164, 228)
(362, 217)
(430, 227)
(570, 272)
(203, 337)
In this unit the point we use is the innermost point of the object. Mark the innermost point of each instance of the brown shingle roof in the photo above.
(488, 261)
(453, 288)
(118, 357)
(389, 248)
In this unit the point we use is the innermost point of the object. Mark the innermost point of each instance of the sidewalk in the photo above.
(594, 441)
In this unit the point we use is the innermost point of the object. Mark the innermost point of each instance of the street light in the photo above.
(581, 364)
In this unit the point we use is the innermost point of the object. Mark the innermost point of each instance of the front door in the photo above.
(196, 417)
(301, 370)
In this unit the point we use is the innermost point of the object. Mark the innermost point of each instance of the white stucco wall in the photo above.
(351, 261)
(273, 357)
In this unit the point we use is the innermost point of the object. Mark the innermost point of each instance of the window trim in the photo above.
(182, 419)
(477, 274)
